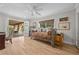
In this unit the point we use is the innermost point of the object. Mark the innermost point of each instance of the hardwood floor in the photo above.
(28, 46)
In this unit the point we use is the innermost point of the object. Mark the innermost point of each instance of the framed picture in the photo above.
(64, 26)
(63, 19)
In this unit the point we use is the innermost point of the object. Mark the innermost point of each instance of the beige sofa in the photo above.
(44, 36)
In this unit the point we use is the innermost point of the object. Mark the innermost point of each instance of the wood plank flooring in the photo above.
(28, 46)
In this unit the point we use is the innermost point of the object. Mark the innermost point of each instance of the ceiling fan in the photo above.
(34, 10)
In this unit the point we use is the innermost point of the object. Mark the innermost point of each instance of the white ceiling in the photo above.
(21, 9)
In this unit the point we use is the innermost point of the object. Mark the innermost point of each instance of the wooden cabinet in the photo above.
(59, 39)
(2, 40)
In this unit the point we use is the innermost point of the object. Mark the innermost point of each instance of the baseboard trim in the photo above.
(69, 43)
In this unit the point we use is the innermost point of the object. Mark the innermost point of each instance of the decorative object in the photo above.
(64, 26)
(34, 11)
(59, 39)
(64, 19)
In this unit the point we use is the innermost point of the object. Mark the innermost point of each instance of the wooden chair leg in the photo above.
(10, 41)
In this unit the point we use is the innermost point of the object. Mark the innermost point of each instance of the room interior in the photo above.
(16, 27)
(39, 28)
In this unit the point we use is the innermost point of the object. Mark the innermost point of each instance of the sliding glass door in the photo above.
(26, 28)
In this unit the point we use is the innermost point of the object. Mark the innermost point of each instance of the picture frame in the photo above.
(64, 26)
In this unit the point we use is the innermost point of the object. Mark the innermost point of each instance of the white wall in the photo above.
(69, 35)
(3, 23)
(77, 24)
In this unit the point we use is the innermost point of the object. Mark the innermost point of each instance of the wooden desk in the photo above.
(2, 40)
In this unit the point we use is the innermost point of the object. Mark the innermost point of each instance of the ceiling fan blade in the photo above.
(36, 8)
(37, 13)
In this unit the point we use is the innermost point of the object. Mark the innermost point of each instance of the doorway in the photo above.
(16, 28)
